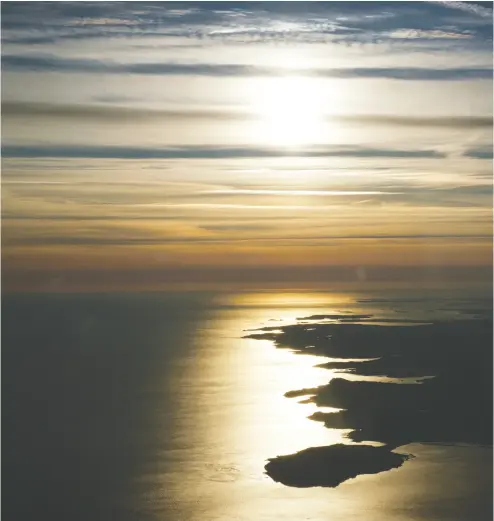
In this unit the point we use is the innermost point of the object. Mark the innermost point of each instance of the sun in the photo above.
(289, 111)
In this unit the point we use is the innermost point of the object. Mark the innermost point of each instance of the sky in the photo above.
(147, 144)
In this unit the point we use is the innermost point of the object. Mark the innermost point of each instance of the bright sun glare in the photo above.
(290, 111)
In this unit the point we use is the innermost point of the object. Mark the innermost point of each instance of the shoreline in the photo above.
(430, 408)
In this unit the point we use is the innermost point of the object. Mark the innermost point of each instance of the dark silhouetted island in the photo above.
(330, 466)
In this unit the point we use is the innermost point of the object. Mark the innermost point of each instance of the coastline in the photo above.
(395, 382)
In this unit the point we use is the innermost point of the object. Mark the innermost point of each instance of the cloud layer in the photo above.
(141, 136)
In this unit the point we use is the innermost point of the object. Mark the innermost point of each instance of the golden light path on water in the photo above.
(233, 416)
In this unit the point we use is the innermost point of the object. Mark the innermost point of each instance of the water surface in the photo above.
(153, 407)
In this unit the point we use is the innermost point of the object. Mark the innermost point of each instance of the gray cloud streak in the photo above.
(197, 152)
(58, 240)
(485, 152)
(109, 112)
(53, 63)
(121, 113)
(411, 121)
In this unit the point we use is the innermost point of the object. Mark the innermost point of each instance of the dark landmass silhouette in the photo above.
(340, 317)
(441, 390)
(330, 466)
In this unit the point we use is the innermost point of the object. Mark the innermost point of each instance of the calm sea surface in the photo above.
(153, 407)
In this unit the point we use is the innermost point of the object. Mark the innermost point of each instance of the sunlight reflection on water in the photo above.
(233, 416)
(263, 423)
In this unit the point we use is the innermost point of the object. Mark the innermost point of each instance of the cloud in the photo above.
(53, 63)
(236, 22)
(413, 34)
(470, 196)
(204, 152)
(110, 112)
(477, 8)
(66, 240)
(124, 113)
(485, 152)
(415, 73)
(412, 121)
(298, 193)
(473, 196)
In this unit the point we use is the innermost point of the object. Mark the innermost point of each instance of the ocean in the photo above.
(154, 407)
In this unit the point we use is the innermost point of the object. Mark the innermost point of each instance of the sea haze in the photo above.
(147, 407)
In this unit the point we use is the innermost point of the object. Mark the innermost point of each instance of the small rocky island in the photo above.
(437, 387)
(329, 466)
